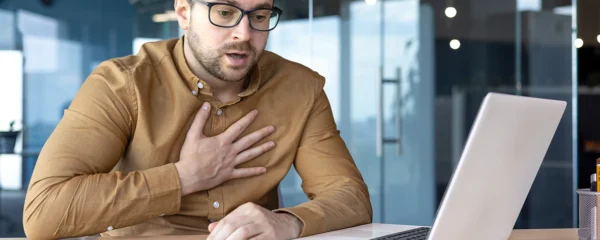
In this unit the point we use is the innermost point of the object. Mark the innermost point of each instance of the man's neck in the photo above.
(222, 90)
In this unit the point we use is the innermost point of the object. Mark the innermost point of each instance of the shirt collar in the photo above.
(196, 84)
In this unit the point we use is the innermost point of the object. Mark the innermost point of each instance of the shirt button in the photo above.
(200, 85)
(195, 92)
(110, 228)
(216, 204)
(219, 112)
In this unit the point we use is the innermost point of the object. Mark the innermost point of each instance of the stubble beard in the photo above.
(211, 59)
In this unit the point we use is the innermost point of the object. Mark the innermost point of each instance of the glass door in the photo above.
(379, 70)
(392, 106)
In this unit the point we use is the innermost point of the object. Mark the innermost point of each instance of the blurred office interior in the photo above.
(417, 68)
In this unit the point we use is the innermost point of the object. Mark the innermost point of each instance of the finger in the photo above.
(253, 153)
(260, 237)
(245, 232)
(212, 226)
(197, 128)
(238, 127)
(250, 139)
(247, 172)
(218, 226)
(228, 225)
(214, 234)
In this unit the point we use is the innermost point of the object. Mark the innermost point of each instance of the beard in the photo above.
(211, 59)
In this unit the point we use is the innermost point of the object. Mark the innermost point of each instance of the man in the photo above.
(193, 136)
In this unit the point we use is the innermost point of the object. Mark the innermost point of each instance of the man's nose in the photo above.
(243, 30)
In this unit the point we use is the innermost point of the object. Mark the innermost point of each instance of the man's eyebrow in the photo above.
(264, 5)
(232, 2)
(235, 3)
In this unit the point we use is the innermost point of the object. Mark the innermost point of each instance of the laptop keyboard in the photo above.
(413, 234)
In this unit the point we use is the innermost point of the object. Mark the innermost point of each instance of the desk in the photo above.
(529, 234)
(545, 234)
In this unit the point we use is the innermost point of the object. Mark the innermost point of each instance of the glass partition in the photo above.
(406, 78)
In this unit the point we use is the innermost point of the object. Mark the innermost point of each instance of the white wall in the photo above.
(11, 109)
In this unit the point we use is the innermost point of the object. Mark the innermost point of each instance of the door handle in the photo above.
(399, 104)
(379, 124)
(381, 139)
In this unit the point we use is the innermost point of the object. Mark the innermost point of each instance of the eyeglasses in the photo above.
(228, 16)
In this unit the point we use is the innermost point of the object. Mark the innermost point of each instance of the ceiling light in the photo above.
(455, 44)
(450, 12)
(578, 43)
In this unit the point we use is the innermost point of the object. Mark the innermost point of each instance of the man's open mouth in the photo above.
(237, 55)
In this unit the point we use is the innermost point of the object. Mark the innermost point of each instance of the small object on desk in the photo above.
(420, 233)
(597, 174)
(593, 183)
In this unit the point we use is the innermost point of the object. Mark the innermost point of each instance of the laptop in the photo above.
(502, 156)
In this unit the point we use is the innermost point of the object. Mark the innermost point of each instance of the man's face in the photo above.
(226, 53)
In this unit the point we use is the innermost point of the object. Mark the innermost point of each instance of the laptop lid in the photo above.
(502, 155)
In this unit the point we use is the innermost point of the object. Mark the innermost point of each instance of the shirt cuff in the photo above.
(313, 222)
(165, 190)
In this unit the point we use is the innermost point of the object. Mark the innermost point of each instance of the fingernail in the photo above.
(205, 106)
(272, 144)
(271, 129)
(255, 112)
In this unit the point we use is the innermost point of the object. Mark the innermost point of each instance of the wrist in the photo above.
(294, 223)
(186, 188)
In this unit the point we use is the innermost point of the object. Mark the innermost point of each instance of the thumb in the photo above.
(212, 226)
(197, 128)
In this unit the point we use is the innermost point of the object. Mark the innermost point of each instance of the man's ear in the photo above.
(183, 11)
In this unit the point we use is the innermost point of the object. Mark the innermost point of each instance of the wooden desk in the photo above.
(529, 234)
(544, 234)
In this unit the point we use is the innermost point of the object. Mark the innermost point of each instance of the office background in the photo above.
(405, 79)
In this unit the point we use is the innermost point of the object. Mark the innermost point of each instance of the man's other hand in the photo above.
(251, 221)
(206, 162)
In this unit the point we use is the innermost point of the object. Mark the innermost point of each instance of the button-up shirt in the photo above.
(108, 167)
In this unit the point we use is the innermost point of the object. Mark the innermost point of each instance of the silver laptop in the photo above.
(501, 158)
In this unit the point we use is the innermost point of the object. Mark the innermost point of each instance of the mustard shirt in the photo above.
(108, 167)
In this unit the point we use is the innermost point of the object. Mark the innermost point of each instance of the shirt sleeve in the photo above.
(339, 198)
(72, 191)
